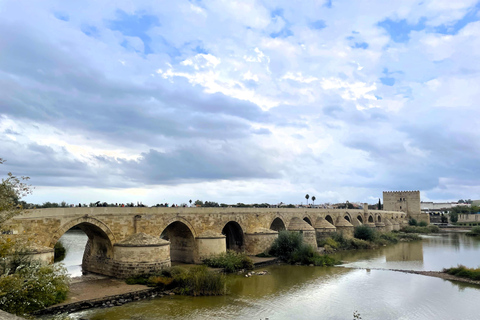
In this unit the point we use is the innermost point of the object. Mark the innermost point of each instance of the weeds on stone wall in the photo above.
(289, 247)
(230, 261)
(464, 272)
(194, 281)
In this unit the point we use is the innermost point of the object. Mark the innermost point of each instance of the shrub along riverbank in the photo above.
(290, 248)
(464, 272)
(230, 261)
(194, 281)
(364, 238)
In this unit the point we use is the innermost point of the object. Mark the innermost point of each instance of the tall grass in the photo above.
(464, 272)
(194, 281)
(230, 261)
(474, 232)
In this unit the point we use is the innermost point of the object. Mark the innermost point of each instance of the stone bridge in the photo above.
(126, 241)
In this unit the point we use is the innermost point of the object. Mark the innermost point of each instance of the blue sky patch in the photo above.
(62, 16)
(135, 25)
(453, 29)
(318, 25)
(90, 31)
(388, 81)
(399, 31)
(360, 45)
(284, 33)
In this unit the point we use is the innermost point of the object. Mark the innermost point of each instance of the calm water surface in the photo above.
(298, 292)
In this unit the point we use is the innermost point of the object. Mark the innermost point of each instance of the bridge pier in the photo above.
(209, 244)
(259, 241)
(323, 228)
(309, 233)
(344, 227)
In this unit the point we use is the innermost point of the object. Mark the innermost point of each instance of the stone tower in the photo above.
(406, 201)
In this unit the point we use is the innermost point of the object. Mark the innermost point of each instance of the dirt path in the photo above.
(95, 287)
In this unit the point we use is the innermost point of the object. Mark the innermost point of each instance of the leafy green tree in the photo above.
(12, 189)
(198, 203)
(313, 200)
(190, 202)
(307, 197)
(379, 204)
(453, 216)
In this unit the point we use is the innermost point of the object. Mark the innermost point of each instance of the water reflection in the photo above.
(74, 241)
(299, 292)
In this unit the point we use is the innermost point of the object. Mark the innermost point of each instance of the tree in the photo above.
(190, 202)
(313, 200)
(379, 204)
(306, 197)
(12, 189)
(198, 203)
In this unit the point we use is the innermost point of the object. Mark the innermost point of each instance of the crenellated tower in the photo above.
(406, 201)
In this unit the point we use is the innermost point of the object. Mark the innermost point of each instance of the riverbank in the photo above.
(97, 291)
(435, 274)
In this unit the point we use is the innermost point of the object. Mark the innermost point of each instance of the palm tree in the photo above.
(306, 197)
(313, 200)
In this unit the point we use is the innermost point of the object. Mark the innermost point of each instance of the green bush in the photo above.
(230, 261)
(474, 232)
(422, 224)
(464, 272)
(433, 229)
(389, 237)
(59, 252)
(33, 286)
(364, 232)
(412, 222)
(286, 243)
(289, 247)
(360, 244)
(408, 236)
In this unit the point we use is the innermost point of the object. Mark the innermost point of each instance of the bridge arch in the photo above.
(347, 217)
(329, 219)
(308, 220)
(278, 224)
(234, 236)
(359, 218)
(99, 248)
(370, 219)
(379, 218)
(182, 241)
(85, 223)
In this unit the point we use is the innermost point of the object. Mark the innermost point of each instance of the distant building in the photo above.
(406, 201)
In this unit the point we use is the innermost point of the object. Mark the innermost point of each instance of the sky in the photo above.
(240, 101)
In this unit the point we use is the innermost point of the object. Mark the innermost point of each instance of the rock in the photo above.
(310, 265)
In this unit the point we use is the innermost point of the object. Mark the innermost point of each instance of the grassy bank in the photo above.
(474, 232)
(230, 261)
(195, 281)
(464, 272)
(364, 238)
(290, 247)
(421, 229)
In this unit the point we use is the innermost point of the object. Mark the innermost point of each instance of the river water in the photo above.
(302, 292)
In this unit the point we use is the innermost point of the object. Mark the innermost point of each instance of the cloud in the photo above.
(341, 100)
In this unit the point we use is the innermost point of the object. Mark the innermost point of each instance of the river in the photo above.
(302, 292)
